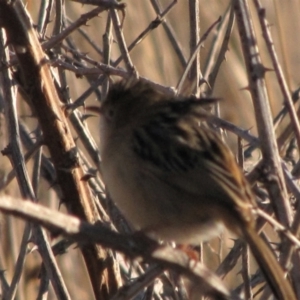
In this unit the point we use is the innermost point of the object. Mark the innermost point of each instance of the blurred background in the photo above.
(160, 61)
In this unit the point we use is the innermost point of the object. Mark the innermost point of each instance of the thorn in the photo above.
(203, 81)
(6, 151)
(246, 88)
(249, 129)
(259, 71)
(262, 12)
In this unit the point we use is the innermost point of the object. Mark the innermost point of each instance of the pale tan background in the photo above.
(154, 58)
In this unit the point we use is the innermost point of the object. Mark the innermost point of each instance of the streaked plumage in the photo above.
(172, 176)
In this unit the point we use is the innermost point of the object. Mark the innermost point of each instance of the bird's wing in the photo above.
(174, 147)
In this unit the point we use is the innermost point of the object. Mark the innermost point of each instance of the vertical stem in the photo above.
(194, 73)
(272, 167)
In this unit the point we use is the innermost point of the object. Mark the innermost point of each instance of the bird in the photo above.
(172, 176)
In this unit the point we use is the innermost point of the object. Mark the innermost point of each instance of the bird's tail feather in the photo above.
(269, 266)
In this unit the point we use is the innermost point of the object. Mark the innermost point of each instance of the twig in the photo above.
(194, 70)
(193, 56)
(132, 246)
(278, 70)
(276, 185)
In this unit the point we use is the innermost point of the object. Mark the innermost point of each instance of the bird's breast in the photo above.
(151, 205)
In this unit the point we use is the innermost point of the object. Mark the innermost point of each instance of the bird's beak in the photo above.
(96, 109)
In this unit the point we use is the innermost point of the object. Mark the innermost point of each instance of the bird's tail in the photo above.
(269, 265)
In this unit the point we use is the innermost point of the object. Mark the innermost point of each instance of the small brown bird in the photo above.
(172, 177)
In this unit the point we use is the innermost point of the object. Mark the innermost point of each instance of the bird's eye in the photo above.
(110, 113)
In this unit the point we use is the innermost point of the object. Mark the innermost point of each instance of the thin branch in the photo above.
(131, 245)
(278, 70)
(276, 186)
(194, 55)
